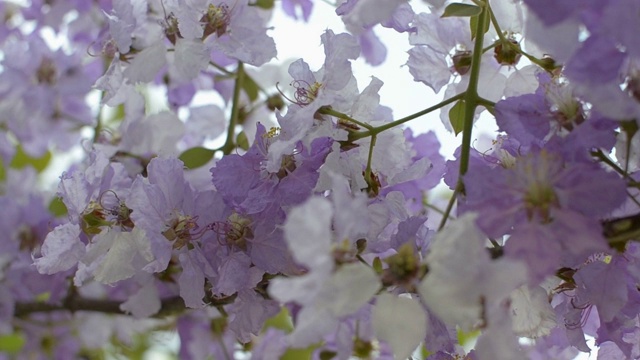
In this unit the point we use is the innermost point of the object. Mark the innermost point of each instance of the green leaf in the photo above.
(461, 10)
(250, 87)
(265, 4)
(424, 352)
(196, 157)
(280, 321)
(465, 338)
(456, 117)
(57, 207)
(21, 160)
(300, 354)
(3, 174)
(377, 266)
(242, 141)
(116, 115)
(11, 343)
(473, 23)
(43, 297)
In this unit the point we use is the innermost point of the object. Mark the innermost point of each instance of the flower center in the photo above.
(46, 73)
(539, 195)
(180, 230)
(216, 20)
(235, 231)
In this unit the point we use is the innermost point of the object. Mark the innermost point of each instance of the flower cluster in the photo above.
(315, 227)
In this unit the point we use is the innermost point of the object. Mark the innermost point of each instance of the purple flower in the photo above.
(290, 8)
(556, 116)
(42, 93)
(256, 188)
(426, 148)
(332, 85)
(461, 273)
(231, 27)
(597, 61)
(537, 185)
(169, 211)
(552, 12)
(360, 14)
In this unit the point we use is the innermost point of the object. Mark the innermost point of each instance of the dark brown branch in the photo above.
(168, 307)
(620, 231)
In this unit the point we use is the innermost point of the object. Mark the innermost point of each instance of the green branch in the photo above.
(329, 111)
(378, 129)
(229, 144)
(471, 101)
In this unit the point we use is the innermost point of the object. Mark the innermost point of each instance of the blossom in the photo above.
(333, 85)
(366, 13)
(535, 186)
(116, 255)
(42, 93)
(316, 290)
(290, 8)
(61, 251)
(167, 209)
(231, 27)
(463, 283)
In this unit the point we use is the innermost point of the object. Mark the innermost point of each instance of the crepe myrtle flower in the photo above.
(231, 27)
(170, 211)
(556, 114)
(549, 206)
(293, 8)
(466, 288)
(326, 292)
(441, 46)
(258, 188)
(333, 85)
(534, 187)
(42, 93)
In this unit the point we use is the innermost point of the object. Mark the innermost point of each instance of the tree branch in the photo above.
(168, 306)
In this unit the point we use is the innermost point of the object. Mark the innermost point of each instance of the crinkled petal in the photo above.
(62, 249)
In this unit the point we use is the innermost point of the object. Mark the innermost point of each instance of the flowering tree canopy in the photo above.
(298, 221)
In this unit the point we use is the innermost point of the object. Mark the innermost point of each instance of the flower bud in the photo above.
(507, 52)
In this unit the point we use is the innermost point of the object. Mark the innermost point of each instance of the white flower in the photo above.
(463, 281)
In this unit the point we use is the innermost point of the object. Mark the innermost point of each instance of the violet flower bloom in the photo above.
(326, 293)
(426, 147)
(533, 187)
(603, 66)
(42, 93)
(256, 188)
(230, 27)
(259, 198)
(359, 15)
(95, 199)
(549, 206)
(334, 85)
(555, 115)
(170, 212)
(290, 8)
(434, 40)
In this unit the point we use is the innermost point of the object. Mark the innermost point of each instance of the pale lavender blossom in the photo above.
(464, 286)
